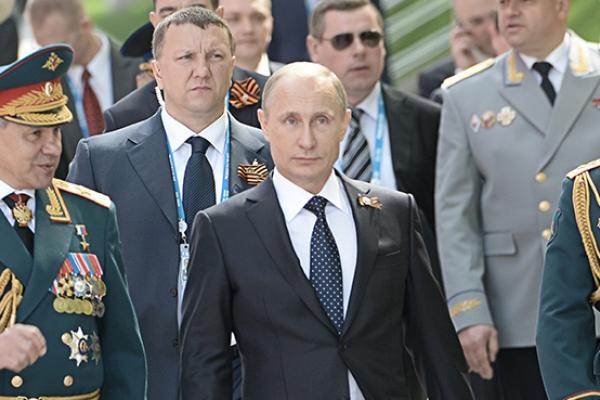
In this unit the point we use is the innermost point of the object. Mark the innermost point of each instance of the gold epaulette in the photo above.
(583, 168)
(583, 395)
(475, 69)
(98, 198)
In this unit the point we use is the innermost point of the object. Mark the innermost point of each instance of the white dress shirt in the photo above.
(177, 134)
(101, 75)
(5, 190)
(368, 127)
(559, 58)
(264, 66)
(300, 223)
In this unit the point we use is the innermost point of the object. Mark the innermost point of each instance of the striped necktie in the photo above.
(356, 160)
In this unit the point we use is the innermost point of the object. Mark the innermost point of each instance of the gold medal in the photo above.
(69, 306)
(101, 288)
(488, 119)
(88, 308)
(59, 305)
(22, 214)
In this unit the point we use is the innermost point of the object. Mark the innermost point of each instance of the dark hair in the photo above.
(215, 4)
(198, 16)
(317, 19)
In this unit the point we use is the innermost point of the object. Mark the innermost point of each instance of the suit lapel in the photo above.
(52, 242)
(13, 253)
(521, 90)
(579, 83)
(268, 220)
(399, 120)
(244, 150)
(366, 220)
(149, 157)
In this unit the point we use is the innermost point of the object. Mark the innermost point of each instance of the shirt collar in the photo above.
(559, 58)
(6, 189)
(177, 133)
(370, 104)
(292, 198)
(263, 67)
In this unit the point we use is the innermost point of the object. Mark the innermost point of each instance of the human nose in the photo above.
(53, 145)
(307, 138)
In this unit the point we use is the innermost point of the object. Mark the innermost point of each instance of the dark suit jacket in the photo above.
(142, 103)
(246, 278)
(432, 78)
(9, 41)
(124, 71)
(413, 125)
(131, 165)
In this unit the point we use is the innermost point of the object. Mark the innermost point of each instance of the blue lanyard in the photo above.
(77, 100)
(182, 225)
(379, 128)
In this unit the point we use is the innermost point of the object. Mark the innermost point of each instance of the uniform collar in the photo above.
(559, 57)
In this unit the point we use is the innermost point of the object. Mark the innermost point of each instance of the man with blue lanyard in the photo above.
(392, 137)
(188, 156)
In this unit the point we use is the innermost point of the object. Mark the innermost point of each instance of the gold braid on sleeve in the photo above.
(10, 300)
(581, 208)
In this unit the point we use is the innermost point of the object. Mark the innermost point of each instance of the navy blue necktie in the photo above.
(198, 181)
(325, 265)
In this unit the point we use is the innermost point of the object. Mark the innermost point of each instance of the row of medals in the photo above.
(80, 295)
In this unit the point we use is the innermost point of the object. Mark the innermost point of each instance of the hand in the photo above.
(20, 347)
(480, 345)
(462, 48)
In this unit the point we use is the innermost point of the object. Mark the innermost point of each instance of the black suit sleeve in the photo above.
(206, 326)
(431, 338)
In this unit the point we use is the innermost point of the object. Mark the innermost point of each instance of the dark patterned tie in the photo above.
(325, 265)
(356, 159)
(23, 232)
(544, 68)
(91, 106)
(198, 181)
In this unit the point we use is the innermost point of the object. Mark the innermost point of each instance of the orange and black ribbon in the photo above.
(244, 93)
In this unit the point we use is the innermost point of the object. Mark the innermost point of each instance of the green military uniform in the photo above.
(566, 337)
(72, 287)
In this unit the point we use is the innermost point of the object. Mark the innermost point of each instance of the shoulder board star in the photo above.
(98, 198)
(474, 70)
(583, 168)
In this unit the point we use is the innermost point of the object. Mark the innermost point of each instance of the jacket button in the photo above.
(544, 206)
(16, 381)
(540, 177)
(175, 342)
(173, 292)
(546, 233)
(68, 381)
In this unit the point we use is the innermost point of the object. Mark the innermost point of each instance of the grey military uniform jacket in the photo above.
(502, 153)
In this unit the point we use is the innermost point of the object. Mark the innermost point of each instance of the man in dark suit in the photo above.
(159, 172)
(244, 94)
(98, 77)
(347, 37)
(321, 278)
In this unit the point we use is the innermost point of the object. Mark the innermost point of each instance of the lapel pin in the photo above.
(253, 173)
(82, 233)
(506, 116)
(488, 119)
(596, 103)
(244, 93)
(475, 123)
(369, 201)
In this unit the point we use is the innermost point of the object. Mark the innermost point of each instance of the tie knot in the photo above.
(15, 198)
(356, 114)
(85, 76)
(199, 144)
(543, 67)
(316, 205)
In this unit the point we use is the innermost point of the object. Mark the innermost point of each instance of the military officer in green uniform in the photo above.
(566, 340)
(64, 304)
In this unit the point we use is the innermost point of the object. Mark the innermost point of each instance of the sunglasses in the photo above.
(344, 40)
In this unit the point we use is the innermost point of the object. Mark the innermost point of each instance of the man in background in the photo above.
(98, 77)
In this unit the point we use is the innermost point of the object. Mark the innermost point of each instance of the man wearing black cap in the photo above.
(67, 326)
(244, 94)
